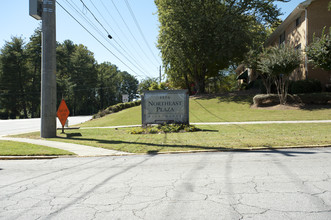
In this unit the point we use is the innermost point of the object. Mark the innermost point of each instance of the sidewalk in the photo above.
(80, 150)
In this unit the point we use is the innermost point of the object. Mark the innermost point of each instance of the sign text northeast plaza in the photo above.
(165, 106)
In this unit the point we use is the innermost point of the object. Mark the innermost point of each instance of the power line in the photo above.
(131, 32)
(102, 35)
(123, 34)
(140, 31)
(86, 18)
(109, 36)
(118, 38)
(97, 39)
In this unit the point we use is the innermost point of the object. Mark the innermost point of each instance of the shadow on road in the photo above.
(285, 152)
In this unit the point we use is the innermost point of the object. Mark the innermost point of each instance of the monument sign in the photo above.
(165, 106)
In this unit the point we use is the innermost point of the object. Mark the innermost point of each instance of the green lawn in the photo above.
(225, 109)
(215, 137)
(12, 148)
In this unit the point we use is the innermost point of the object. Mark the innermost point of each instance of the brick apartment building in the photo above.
(298, 29)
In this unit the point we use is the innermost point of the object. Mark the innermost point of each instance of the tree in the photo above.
(127, 84)
(33, 52)
(84, 76)
(145, 84)
(319, 51)
(253, 61)
(14, 79)
(224, 82)
(280, 63)
(198, 38)
(85, 85)
(64, 68)
(107, 90)
(77, 78)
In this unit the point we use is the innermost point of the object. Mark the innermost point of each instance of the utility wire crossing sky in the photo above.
(122, 32)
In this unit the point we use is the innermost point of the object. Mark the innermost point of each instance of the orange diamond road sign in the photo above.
(63, 112)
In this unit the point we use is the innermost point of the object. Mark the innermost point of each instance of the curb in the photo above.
(28, 157)
(238, 150)
(163, 153)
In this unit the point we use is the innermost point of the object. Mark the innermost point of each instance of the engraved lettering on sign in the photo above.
(165, 107)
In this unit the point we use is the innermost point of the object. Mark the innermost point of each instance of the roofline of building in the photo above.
(294, 15)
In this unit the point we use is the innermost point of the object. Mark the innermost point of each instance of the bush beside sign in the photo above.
(165, 106)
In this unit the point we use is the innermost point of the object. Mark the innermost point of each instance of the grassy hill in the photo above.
(227, 108)
(211, 137)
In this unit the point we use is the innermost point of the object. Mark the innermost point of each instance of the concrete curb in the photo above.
(238, 150)
(28, 157)
(164, 153)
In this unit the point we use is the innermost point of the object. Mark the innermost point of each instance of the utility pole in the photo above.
(48, 70)
(45, 10)
(160, 74)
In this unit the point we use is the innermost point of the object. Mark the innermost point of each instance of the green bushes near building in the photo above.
(305, 86)
(116, 108)
(323, 98)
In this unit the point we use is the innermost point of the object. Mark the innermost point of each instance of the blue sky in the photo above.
(132, 53)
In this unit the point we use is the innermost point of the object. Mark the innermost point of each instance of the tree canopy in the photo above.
(86, 85)
(319, 51)
(198, 38)
(277, 63)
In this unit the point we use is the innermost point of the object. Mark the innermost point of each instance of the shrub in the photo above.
(265, 99)
(305, 86)
(138, 131)
(166, 128)
(121, 106)
(153, 130)
(316, 98)
(304, 98)
(116, 108)
(272, 99)
(102, 113)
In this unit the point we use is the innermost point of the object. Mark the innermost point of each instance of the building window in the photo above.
(297, 21)
(282, 38)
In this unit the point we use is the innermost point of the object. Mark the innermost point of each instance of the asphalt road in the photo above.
(278, 184)
(18, 126)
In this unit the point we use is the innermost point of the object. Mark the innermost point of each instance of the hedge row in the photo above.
(116, 108)
(304, 98)
(295, 87)
(305, 86)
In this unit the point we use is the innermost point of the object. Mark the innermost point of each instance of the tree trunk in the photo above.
(200, 80)
(282, 89)
(187, 83)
